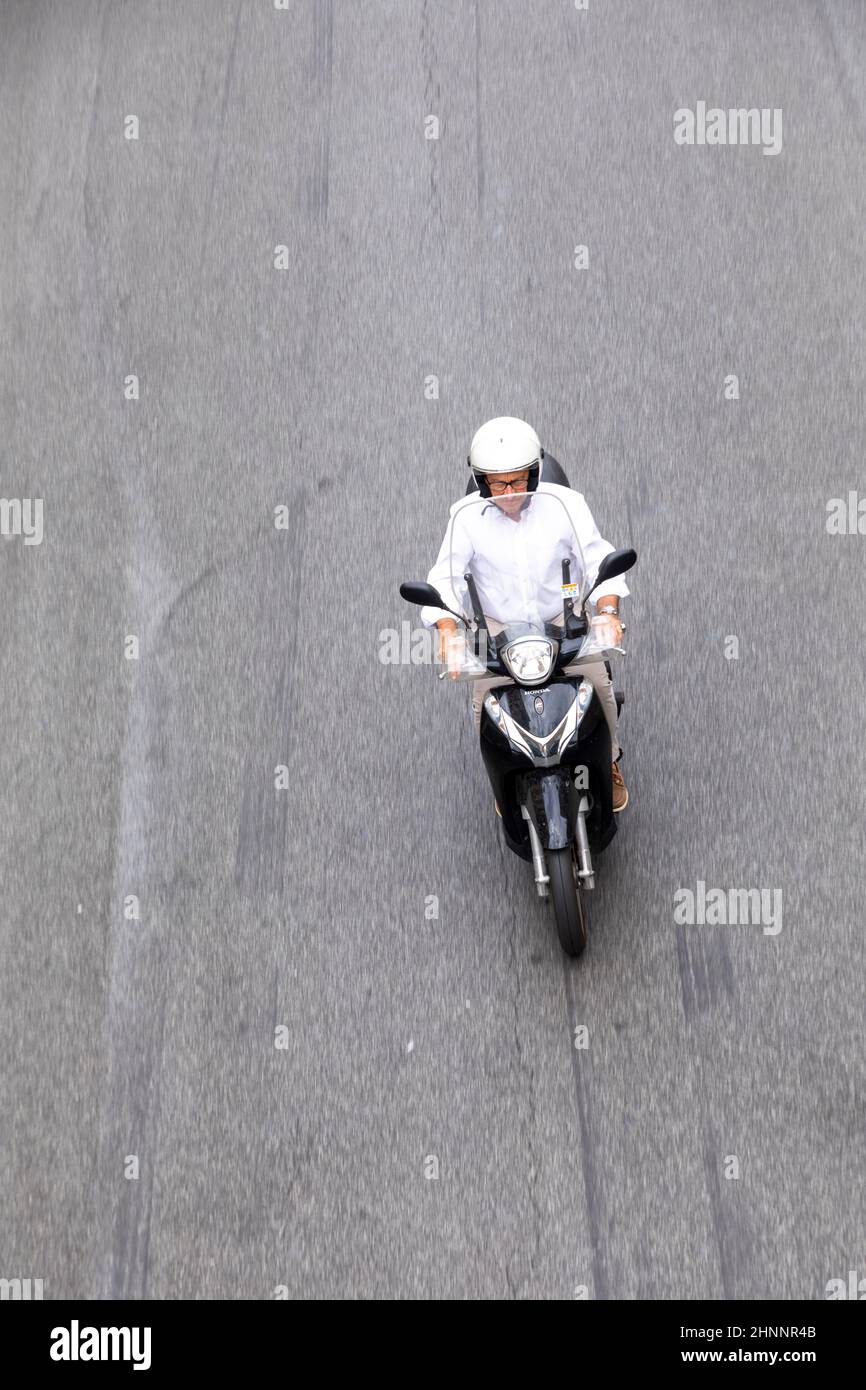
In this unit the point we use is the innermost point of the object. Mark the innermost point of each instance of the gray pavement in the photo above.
(408, 1037)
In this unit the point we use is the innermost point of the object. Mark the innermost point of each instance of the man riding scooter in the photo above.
(507, 463)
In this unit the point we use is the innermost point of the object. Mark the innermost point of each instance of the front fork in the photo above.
(542, 879)
(555, 815)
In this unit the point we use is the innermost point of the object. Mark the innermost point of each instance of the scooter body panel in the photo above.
(551, 793)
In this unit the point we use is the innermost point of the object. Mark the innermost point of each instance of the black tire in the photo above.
(569, 907)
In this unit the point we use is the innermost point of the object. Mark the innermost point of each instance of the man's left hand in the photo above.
(608, 629)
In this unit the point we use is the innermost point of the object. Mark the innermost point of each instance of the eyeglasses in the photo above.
(498, 487)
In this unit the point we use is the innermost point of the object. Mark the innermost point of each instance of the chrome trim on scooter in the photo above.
(585, 871)
(517, 735)
(542, 879)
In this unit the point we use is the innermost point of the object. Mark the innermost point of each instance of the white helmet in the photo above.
(505, 445)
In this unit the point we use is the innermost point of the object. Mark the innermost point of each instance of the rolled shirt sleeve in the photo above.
(440, 574)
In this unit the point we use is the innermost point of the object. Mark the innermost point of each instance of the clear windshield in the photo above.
(523, 557)
(514, 547)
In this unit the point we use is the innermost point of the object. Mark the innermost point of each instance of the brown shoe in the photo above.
(620, 790)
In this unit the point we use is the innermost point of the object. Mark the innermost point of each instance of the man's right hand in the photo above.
(450, 646)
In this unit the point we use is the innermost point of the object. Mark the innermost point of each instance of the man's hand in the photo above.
(608, 629)
(606, 626)
(450, 646)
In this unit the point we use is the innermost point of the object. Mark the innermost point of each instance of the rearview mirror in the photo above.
(616, 563)
(423, 594)
(428, 597)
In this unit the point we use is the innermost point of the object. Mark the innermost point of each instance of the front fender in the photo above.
(551, 799)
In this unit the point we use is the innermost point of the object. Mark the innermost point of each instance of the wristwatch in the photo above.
(611, 612)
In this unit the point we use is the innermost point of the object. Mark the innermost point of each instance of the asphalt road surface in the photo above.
(322, 1085)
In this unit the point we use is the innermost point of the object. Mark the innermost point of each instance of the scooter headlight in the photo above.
(530, 659)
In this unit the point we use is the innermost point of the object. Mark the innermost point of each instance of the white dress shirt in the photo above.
(517, 562)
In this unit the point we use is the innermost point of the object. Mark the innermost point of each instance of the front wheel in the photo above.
(568, 902)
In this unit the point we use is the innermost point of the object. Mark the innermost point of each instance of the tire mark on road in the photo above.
(525, 1069)
(218, 139)
(138, 967)
(432, 107)
(846, 85)
(712, 1158)
(479, 147)
(591, 1180)
(323, 55)
(706, 972)
(263, 825)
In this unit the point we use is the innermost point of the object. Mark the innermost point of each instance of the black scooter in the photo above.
(547, 752)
